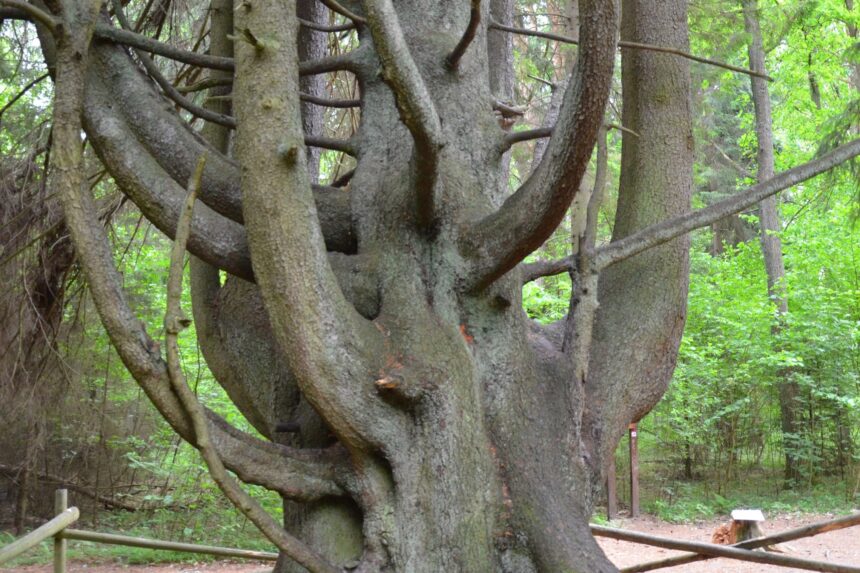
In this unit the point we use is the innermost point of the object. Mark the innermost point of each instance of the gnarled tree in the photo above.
(438, 428)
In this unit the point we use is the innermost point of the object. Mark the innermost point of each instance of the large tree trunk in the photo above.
(770, 227)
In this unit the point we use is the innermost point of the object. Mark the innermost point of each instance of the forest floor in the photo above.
(837, 547)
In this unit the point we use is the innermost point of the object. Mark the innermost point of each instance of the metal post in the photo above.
(611, 491)
(61, 502)
(634, 472)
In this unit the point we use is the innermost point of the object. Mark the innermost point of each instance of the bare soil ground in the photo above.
(841, 546)
(837, 547)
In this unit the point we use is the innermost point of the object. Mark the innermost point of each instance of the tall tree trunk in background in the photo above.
(771, 246)
(570, 29)
(500, 58)
(312, 46)
(853, 33)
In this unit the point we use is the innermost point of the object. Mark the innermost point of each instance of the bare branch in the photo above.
(621, 128)
(174, 323)
(632, 45)
(325, 102)
(502, 239)
(343, 145)
(338, 8)
(205, 84)
(508, 110)
(539, 269)
(333, 63)
(166, 86)
(134, 40)
(453, 59)
(51, 22)
(417, 110)
(526, 135)
(668, 230)
(324, 28)
(21, 94)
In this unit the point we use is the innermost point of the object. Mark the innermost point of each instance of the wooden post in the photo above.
(634, 471)
(61, 502)
(611, 492)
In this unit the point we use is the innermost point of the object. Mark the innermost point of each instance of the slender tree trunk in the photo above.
(771, 245)
(312, 46)
(500, 58)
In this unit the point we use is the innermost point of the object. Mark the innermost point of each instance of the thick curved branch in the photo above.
(501, 240)
(667, 230)
(634, 46)
(417, 110)
(330, 348)
(35, 14)
(174, 323)
(453, 59)
(131, 142)
(307, 475)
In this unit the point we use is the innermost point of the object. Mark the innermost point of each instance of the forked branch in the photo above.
(174, 323)
(417, 110)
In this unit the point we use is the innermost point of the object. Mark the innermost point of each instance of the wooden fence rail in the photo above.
(775, 539)
(730, 552)
(36, 536)
(58, 528)
(111, 539)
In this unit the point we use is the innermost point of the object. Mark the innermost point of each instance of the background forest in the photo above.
(71, 415)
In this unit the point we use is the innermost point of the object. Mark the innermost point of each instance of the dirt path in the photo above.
(836, 547)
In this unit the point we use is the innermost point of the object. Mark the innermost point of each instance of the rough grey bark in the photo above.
(770, 226)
